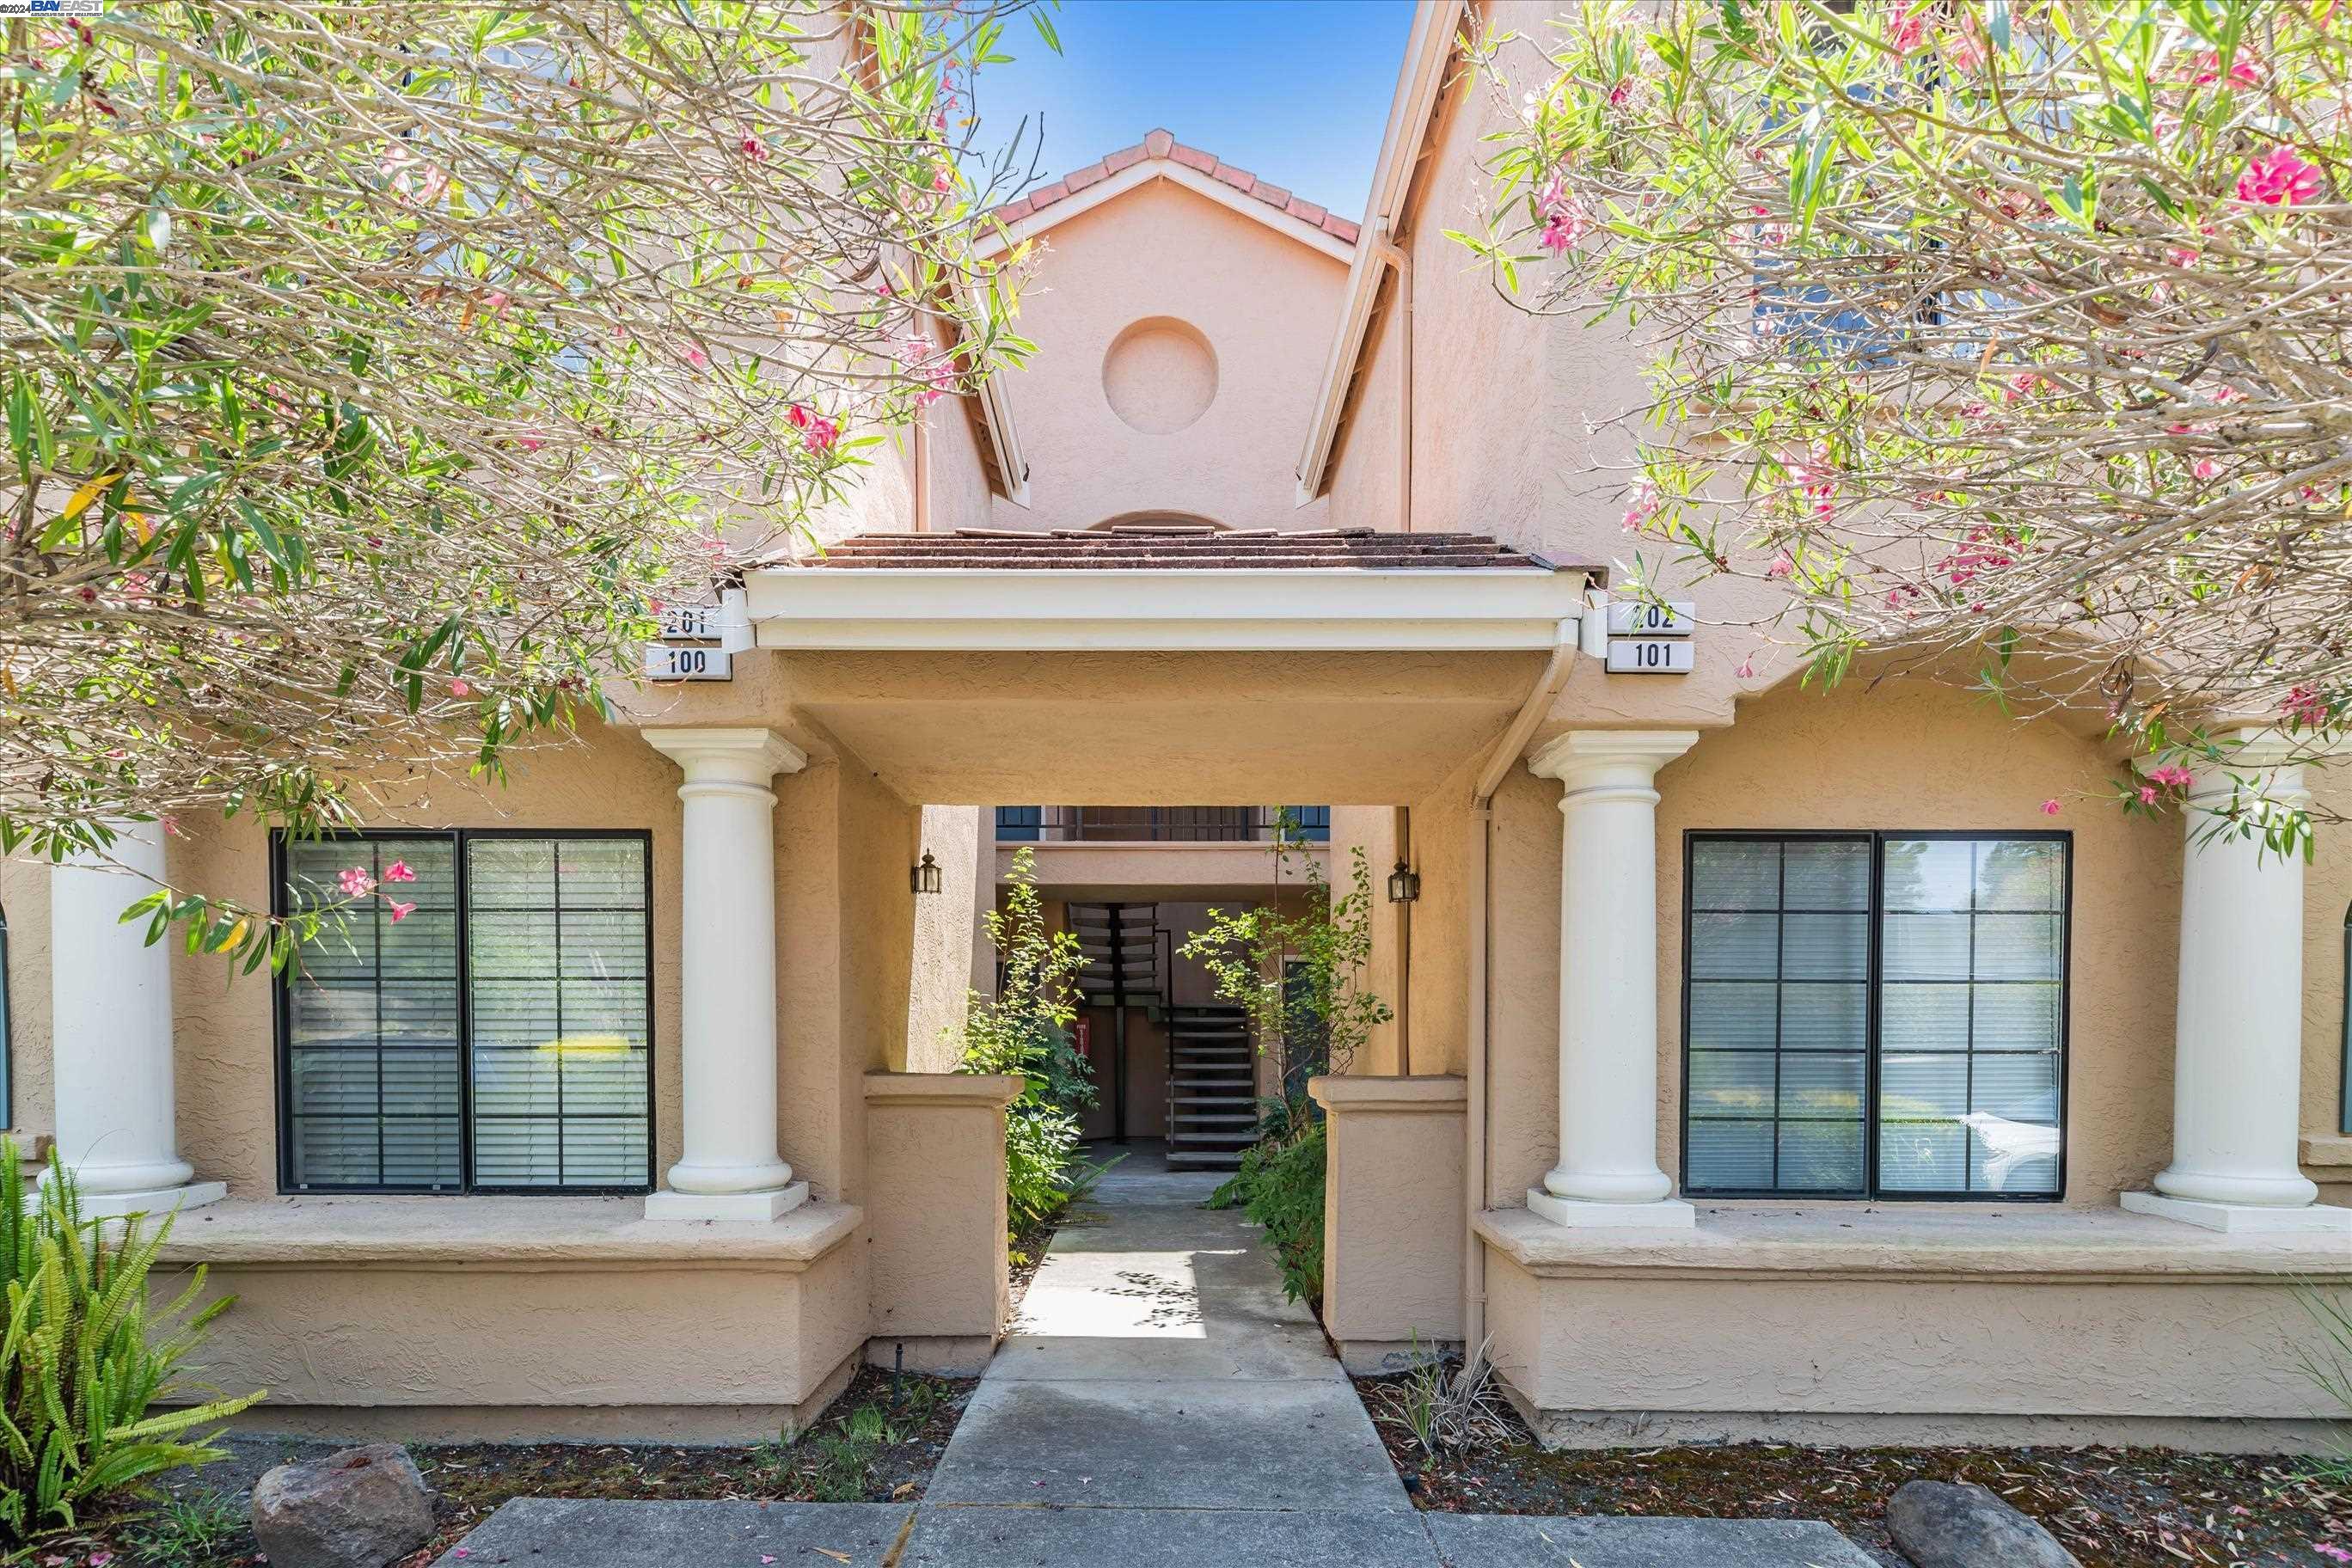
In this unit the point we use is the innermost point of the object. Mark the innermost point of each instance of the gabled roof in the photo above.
(1163, 548)
(1160, 156)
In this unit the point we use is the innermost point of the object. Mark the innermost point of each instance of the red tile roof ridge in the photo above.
(1159, 143)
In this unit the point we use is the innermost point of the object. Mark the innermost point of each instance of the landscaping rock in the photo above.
(360, 1507)
(1938, 1524)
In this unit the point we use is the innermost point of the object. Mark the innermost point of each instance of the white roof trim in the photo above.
(1341, 609)
(1427, 54)
(1115, 185)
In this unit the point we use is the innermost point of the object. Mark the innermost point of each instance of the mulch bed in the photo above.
(878, 1443)
(2112, 1507)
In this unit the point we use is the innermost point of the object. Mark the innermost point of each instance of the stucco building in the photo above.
(1766, 1061)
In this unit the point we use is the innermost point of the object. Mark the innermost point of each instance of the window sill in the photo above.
(316, 1231)
(1918, 1241)
(2328, 1151)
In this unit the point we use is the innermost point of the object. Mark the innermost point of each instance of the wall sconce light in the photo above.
(925, 878)
(1404, 884)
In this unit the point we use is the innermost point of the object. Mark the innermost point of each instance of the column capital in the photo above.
(734, 755)
(1583, 758)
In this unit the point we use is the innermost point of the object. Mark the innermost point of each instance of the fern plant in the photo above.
(77, 1374)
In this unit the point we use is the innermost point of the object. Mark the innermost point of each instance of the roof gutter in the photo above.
(1429, 52)
(1455, 609)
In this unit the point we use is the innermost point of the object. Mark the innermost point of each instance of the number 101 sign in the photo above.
(1650, 655)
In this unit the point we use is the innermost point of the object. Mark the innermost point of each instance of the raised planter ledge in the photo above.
(1362, 1091)
(315, 1231)
(1877, 1241)
(994, 1090)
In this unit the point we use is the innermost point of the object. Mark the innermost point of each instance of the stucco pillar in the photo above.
(727, 977)
(1608, 1173)
(2237, 1039)
(110, 1006)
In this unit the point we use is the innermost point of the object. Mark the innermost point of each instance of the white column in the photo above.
(1608, 1173)
(111, 1019)
(730, 1168)
(2238, 1044)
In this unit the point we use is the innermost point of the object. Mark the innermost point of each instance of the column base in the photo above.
(757, 1208)
(2244, 1219)
(154, 1201)
(1665, 1213)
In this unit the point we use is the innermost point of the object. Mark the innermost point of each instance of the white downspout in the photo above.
(1568, 638)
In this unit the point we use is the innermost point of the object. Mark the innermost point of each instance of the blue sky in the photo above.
(1294, 91)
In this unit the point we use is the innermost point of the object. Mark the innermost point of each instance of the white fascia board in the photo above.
(1192, 179)
(1239, 609)
(1429, 50)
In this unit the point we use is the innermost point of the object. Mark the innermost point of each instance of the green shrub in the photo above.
(1025, 1031)
(76, 1373)
(1280, 1186)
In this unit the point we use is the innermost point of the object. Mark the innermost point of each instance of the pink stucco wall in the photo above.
(1264, 304)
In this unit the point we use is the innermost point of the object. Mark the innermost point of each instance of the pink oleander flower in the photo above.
(2246, 70)
(1642, 505)
(496, 300)
(818, 433)
(531, 443)
(2280, 178)
(461, 688)
(1781, 567)
(942, 179)
(2329, 1550)
(355, 881)
(1565, 222)
(2205, 468)
(697, 358)
(1906, 33)
(2172, 777)
(2050, 807)
(2147, 794)
(754, 149)
(400, 912)
(2305, 707)
(398, 871)
(1747, 670)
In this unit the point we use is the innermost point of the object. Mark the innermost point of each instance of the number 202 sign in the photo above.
(1650, 655)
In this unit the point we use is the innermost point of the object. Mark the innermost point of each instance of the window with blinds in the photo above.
(1875, 1015)
(496, 1036)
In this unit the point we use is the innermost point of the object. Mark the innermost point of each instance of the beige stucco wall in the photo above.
(939, 1285)
(1905, 755)
(945, 937)
(25, 898)
(1393, 1219)
(1639, 1356)
(1265, 303)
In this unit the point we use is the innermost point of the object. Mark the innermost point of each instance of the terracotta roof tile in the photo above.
(1161, 143)
(1165, 548)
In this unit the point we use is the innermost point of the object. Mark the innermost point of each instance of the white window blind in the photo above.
(1875, 1015)
(497, 1036)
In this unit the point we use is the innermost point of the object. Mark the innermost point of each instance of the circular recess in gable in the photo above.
(1160, 376)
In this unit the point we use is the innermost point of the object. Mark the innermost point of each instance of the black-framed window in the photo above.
(1875, 1015)
(480, 1021)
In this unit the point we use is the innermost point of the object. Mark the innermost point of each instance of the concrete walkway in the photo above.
(1158, 1405)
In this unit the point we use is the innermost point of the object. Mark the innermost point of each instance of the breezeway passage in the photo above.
(1156, 1404)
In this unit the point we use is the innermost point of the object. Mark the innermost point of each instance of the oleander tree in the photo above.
(372, 372)
(2009, 335)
